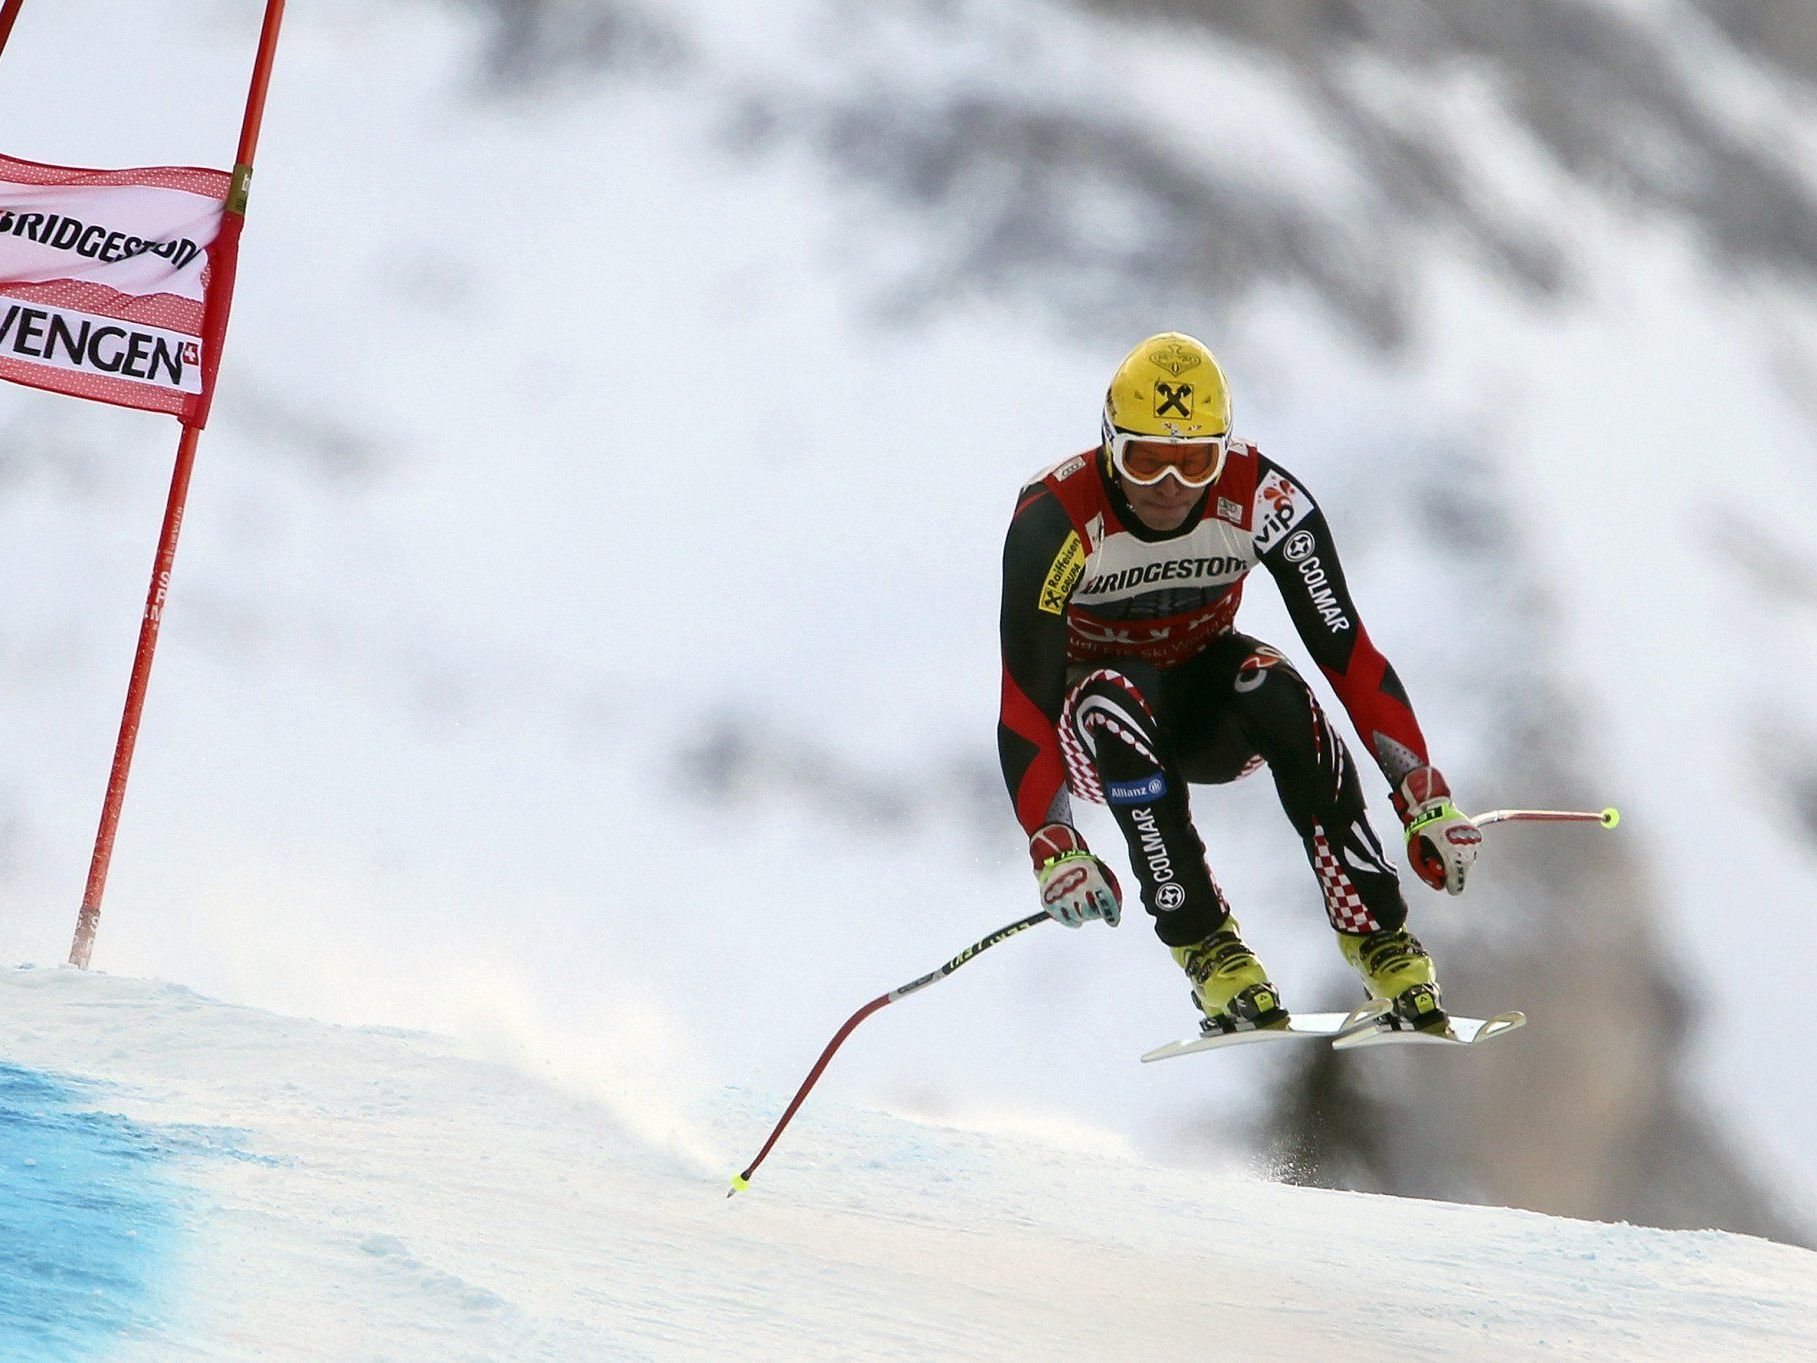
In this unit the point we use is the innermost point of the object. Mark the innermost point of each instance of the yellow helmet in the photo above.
(1167, 388)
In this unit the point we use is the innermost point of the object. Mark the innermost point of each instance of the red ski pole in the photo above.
(743, 1180)
(1608, 818)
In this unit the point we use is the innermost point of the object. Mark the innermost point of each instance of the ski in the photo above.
(1300, 1027)
(1389, 1030)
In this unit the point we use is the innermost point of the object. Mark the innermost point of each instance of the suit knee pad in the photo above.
(1110, 737)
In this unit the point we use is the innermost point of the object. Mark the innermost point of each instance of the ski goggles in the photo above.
(1146, 460)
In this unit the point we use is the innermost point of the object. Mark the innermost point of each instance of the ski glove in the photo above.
(1075, 886)
(1441, 840)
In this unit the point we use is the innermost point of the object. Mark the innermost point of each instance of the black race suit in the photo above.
(1124, 679)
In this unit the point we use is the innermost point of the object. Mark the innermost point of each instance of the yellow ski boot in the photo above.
(1229, 984)
(1396, 967)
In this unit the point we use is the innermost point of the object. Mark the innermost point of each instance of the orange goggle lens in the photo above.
(1148, 461)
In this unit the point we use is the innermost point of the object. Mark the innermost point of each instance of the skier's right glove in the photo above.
(1441, 840)
(1075, 886)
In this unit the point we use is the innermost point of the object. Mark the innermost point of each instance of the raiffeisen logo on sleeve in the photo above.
(1279, 506)
(82, 343)
(1063, 575)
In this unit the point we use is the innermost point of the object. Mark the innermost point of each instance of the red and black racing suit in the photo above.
(1124, 679)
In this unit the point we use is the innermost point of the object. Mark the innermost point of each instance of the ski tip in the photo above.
(739, 1184)
(1365, 1012)
(1501, 1022)
(1610, 817)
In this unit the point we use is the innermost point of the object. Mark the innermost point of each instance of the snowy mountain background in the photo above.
(583, 638)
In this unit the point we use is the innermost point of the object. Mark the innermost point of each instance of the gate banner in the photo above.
(114, 284)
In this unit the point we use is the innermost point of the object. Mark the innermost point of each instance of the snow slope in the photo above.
(192, 1179)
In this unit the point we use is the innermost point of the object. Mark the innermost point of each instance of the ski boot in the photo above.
(1395, 966)
(1229, 984)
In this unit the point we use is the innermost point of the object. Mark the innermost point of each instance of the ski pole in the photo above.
(1608, 818)
(743, 1180)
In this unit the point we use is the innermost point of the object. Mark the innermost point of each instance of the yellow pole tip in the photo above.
(1610, 817)
(739, 1184)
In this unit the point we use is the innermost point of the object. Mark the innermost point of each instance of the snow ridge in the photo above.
(306, 1191)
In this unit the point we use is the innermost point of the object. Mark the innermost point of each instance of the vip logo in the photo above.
(1175, 358)
(1280, 506)
(1173, 399)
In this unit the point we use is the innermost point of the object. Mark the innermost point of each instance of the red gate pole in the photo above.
(88, 920)
(90, 916)
(9, 11)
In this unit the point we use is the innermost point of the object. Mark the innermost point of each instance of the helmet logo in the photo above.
(1174, 399)
(1175, 358)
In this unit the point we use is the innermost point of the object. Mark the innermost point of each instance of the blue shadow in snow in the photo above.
(86, 1220)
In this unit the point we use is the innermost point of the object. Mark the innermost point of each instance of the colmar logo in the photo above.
(1324, 599)
(1154, 849)
(1170, 897)
(1300, 545)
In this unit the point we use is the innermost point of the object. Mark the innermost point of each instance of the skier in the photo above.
(1124, 679)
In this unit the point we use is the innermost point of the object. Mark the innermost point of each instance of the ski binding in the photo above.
(1390, 1030)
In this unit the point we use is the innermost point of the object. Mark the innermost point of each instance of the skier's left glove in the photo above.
(1075, 886)
(1441, 840)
